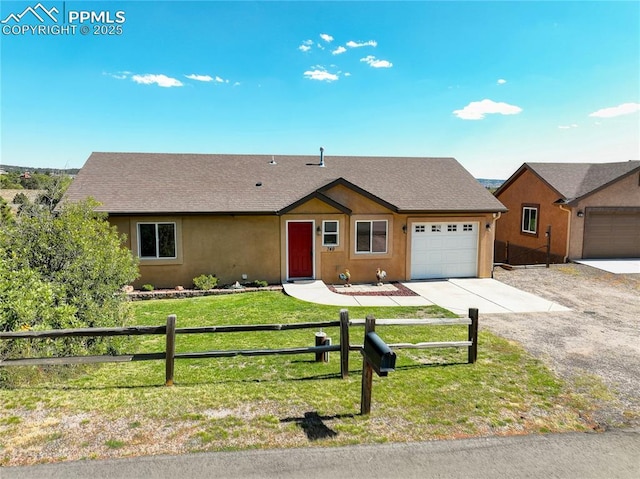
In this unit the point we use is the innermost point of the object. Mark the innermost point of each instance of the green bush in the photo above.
(63, 269)
(147, 287)
(260, 283)
(205, 281)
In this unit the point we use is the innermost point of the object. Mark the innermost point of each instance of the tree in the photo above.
(6, 217)
(71, 259)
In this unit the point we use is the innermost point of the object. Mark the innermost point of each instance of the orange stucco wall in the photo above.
(529, 189)
(231, 246)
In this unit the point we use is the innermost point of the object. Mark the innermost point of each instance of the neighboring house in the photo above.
(593, 210)
(284, 218)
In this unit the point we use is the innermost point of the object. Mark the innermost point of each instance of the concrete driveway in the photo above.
(615, 266)
(456, 295)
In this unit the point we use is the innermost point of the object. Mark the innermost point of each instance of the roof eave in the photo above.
(575, 201)
(188, 213)
(518, 173)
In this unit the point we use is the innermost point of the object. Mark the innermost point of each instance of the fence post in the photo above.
(367, 371)
(322, 340)
(548, 245)
(344, 343)
(170, 349)
(473, 335)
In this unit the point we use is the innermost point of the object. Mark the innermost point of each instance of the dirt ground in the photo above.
(596, 344)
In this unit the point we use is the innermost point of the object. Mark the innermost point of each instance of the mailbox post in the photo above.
(378, 357)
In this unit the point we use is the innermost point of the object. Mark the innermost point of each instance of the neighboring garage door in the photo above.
(612, 233)
(444, 250)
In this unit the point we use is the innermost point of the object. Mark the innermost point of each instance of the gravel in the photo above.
(596, 344)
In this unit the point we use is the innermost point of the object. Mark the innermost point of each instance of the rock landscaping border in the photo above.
(194, 293)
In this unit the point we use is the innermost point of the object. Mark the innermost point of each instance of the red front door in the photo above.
(300, 237)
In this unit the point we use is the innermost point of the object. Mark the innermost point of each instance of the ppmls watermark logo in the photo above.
(40, 20)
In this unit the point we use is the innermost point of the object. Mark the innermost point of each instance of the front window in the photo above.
(330, 233)
(371, 236)
(530, 219)
(156, 240)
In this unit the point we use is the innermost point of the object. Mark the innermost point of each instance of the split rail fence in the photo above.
(170, 331)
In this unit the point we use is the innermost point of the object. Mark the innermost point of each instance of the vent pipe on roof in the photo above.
(321, 157)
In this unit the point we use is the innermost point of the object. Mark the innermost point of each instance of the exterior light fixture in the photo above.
(580, 213)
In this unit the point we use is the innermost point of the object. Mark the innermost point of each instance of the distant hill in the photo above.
(490, 184)
(30, 169)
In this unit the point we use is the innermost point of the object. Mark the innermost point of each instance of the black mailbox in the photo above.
(378, 354)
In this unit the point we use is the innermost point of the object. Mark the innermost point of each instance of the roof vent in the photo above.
(321, 157)
(273, 161)
(259, 183)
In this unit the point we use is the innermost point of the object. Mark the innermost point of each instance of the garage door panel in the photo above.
(444, 250)
(612, 233)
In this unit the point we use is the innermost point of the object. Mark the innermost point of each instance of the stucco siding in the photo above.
(231, 246)
(624, 193)
(227, 246)
(528, 189)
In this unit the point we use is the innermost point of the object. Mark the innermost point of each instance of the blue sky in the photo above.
(493, 84)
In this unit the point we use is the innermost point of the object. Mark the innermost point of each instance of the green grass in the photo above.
(282, 401)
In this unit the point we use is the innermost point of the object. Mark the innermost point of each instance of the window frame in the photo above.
(371, 237)
(157, 256)
(326, 233)
(529, 208)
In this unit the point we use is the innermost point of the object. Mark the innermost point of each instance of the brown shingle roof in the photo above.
(573, 181)
(150, 183)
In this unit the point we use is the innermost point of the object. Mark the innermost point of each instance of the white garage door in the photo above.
(444, 250)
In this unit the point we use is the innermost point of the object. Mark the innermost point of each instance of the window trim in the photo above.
(326, 233)
(157, 256)
(529, 207)
(370, 251)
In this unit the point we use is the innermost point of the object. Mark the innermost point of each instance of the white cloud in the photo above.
(221, 80)
(567, 127)
(160, 80)
(375, 63)
(305, 46)
(320, 74)
(236, 83)
(501, 81)
(326, 37)
(624, 109)
(339, 50)
(118, 75)
(347, 74)
(476, 110)
(370, 43)
(205, 78)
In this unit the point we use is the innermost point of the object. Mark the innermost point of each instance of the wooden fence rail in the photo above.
(170, 331)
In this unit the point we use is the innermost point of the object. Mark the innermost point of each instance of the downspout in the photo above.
(496, 217)
(566, 250)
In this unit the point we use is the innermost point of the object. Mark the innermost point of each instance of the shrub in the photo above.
(63, 269)
(20, 199)
(260, 283)
(205, 281)
(147, 287)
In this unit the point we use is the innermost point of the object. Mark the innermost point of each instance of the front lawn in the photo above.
(278, 401)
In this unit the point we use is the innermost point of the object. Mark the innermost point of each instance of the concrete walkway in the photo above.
(456, 295)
